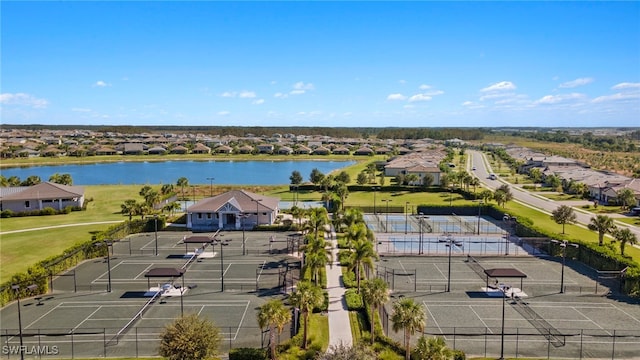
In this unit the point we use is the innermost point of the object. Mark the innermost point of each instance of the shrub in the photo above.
(48, 211)
(7, 214)
(459, 355)
(353, 299)
(248, 354)
(349, 279)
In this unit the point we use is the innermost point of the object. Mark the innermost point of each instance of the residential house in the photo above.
(40, 196)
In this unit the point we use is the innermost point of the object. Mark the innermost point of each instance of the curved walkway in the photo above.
(339, 325)
(61, 226)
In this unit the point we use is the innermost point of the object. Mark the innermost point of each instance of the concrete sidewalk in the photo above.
(339, 325)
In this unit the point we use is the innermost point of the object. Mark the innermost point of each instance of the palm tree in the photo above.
(486, 195)
(626, 198)
(603, 225)
(129, 207)
(410, 316)
(625, 236)
(318, 218)
(351, 216)
(362, 253)
(475, 182)
(355, 232)
(183, 182)
(316, 256)
(434, 348)
(375, 292)
(306, 297)
(274, 315)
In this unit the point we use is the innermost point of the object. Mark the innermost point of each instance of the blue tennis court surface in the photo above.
(408, 223)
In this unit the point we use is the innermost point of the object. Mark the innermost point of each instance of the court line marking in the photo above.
(595, 323)
(242, 320)
(626, 313)
(440, 271)
(482, 321)
(86, 318)
(143, 271)
(42, 316)
(433, 317)
(405, 270)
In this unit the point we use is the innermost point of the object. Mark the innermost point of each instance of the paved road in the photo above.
(483, 169)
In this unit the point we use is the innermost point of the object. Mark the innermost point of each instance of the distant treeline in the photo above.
(624, 143)
(242, 131)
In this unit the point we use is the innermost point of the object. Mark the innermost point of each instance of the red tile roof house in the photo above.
(225, 211)
(40, 196)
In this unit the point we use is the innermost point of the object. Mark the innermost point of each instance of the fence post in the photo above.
(104, 342)
(230, 339)
(613, 346)
(136, 332)
(485, 341)
(454, 338)
(72, 347)
(548, 343)
(581, 333)
(517, 341)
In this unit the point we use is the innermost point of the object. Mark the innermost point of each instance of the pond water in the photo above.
(168, 172)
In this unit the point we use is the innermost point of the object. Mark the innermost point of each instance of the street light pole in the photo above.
(504, 295)
(386, 225)
(16, 288)
(479, 209)
(375, 188)
(563, 244)
(210, 186)
(107, 244)
(155, 218)
(222, 245)
(450, 243)
(406, 217)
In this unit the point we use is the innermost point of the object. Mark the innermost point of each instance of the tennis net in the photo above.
(190, 261)
(136, 317)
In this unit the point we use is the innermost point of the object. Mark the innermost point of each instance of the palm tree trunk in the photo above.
(304, 335)
(358, 276)
(601, 239)
(272, 341)
(372, 320)
(407, 339)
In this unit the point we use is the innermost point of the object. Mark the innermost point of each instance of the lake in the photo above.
(167, 172)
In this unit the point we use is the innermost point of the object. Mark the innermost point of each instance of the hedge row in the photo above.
(39, 273)
(44, 212)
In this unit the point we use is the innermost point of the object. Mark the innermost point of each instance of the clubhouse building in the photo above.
(233, 210)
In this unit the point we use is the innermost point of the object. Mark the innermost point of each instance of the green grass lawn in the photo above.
(560, 197)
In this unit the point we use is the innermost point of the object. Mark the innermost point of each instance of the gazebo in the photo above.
(504, 273)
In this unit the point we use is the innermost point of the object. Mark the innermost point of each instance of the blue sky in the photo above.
(355, 64)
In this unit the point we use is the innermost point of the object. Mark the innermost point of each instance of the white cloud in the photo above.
(101, 83)
(625, 86)
(23, 99)
(302, 86)
(467, 103)
(402, 82)
(617, 97)
(555, 99)
(396, 97)
(419, 97)
(258, 102)
(297, 92)
(409, 106)
(280, 95)
(247, 94)
(80, 110)
(223, 113)
(228, 94)
(499, 86)
(576, 83)
(425, 87)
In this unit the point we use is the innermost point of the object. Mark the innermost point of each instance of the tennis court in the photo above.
(418, 224)
(81, 318)
(581, 322)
